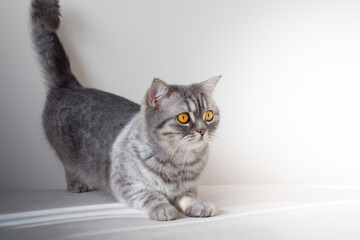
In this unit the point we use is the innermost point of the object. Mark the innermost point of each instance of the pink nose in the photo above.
(201, 131)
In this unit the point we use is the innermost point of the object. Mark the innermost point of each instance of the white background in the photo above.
(289, 95)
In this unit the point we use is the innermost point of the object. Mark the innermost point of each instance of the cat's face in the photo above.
(181, 118)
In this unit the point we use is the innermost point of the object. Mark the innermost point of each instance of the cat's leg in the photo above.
(74, 184)
(147, 199)
(192, 206)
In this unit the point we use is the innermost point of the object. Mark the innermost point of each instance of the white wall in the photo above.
(289, 94)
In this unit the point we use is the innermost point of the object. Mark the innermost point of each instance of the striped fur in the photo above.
(140, 153)
(162, 158)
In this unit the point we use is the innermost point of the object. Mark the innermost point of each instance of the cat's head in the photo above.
(181, 117)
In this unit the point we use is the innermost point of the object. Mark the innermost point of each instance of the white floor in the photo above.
(245, 212)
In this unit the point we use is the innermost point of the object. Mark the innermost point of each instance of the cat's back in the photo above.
(87, 101)
(80, 120)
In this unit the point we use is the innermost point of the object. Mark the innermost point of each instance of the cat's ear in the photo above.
(158, 90)
(209, 85)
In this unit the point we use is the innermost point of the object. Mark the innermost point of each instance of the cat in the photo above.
(147, 155)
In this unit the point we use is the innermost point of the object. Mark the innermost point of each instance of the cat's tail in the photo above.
(55, 63)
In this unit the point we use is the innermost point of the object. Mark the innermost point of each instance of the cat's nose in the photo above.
(201, 131)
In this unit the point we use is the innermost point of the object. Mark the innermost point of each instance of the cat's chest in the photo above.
(173, 178)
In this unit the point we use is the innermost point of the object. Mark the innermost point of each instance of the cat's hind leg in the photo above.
(78, 187)
(75, 185)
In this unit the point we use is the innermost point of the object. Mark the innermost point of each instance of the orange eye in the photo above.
(209, 116)
(183, 118)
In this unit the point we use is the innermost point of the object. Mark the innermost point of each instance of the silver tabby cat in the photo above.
(149, 156)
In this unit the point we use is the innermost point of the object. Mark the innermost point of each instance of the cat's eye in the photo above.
(183, 118)
(209, 116)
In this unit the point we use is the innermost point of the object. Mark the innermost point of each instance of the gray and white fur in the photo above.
(141, 154)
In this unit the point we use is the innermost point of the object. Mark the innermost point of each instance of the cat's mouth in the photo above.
(195, 141)
(200, 139)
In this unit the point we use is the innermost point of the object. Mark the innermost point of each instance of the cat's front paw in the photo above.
(163, 212)
(200, 209)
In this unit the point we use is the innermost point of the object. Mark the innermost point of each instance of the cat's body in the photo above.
(149, 156)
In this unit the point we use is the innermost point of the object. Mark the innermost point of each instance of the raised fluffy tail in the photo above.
(55, 63)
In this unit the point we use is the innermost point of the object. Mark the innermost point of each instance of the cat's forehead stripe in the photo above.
(190, 105)
(196, 103)
(203, 100)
